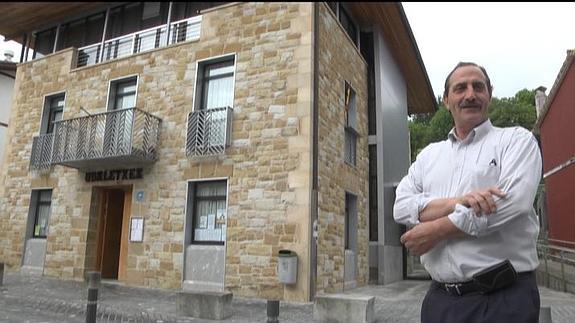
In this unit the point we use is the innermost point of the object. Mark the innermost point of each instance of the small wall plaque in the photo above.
(136, 229)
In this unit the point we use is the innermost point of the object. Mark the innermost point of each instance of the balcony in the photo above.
(209, 132)
(117, 139)
(180, 31)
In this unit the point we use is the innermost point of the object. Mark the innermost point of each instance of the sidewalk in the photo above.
(42, 299)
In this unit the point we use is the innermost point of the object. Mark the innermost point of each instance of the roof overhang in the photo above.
(19, 18)
(390, 18)
(8, 68)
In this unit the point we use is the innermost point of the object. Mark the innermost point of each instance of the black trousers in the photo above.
(518, 303)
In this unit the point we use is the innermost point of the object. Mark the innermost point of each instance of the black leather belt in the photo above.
(460, 289)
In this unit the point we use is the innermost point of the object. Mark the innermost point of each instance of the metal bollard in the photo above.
(1, 273)
(92, 304)
(545, 314)
(273, 309)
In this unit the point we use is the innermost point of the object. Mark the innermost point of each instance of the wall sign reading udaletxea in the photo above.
(115, 175)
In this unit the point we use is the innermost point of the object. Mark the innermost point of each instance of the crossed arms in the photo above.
(476, 213)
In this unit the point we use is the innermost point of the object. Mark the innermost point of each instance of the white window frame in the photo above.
(198, 86)
(46, 110)
(191, 214)
(112, 83)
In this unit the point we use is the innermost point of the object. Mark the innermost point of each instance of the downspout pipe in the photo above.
(314, 154)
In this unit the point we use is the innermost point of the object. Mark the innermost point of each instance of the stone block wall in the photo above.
(340, 61)
(267, 164)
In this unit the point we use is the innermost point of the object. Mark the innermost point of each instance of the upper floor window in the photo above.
(215, 84)
(81, 32)
(350, 144)
(53, 111)
(122, 20)
(135, 16)
(44, 43)
(345, 20)
(123, 94)
(183, 10)
(348, 24)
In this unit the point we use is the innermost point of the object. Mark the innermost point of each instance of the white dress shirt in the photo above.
(508, 158)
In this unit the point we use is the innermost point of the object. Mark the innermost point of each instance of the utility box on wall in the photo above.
(287, 267)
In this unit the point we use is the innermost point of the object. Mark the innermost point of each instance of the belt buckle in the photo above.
(456, 286)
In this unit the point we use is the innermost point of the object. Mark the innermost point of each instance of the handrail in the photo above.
(564, 256)
(556, 241)
(192, 19)
(117, 46)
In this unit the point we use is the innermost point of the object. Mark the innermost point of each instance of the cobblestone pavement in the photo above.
(41, 299)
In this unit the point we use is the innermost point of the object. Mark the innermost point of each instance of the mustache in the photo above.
(473, 104)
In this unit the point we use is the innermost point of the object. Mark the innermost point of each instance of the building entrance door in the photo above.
(113, 232)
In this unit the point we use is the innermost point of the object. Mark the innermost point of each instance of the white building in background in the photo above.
(7, 78)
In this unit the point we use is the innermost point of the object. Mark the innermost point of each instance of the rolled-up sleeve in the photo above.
(519, 178)
(409, 196)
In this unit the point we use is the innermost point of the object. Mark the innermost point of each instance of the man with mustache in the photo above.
(468, 202)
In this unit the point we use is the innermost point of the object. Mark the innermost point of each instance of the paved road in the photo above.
(36, 300)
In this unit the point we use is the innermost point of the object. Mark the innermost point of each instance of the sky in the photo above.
(520, 44)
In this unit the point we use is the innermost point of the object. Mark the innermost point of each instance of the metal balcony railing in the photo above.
(182, 30)
(41, 157)
(122, 138)
(209, 131)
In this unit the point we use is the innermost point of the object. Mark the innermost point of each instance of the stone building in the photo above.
(183, 145)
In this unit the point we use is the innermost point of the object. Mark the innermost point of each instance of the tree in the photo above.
(518, 110)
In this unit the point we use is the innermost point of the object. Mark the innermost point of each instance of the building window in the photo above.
(215, 84)
(350, 144)
(44, 43)
(209, 212)
(136, 16)
(333, 7)
(53, 111)
(43, 202)
(123, 94)
(81, 32)
(348, 24)
(350, 221)
(373, 193)
(183, 10)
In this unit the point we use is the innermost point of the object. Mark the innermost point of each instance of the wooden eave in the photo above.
(390, 18)
(19, 18)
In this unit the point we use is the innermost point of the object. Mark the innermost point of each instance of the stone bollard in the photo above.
(273, 310)
(1, 273)
(94, 278)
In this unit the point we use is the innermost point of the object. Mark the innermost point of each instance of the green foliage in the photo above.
(505, 112)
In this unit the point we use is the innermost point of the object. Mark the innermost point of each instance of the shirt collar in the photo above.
(477, 132)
